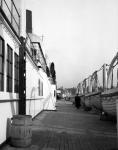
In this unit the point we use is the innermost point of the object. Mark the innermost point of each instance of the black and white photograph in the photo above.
(58, 74)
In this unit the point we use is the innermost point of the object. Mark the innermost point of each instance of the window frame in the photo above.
(16, 73)
(2, 57)
(9, 69)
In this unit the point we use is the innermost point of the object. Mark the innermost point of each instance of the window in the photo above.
(16, 73)
(40, 88)
(1, 64)
(9, 68)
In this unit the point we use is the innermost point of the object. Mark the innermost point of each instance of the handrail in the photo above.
(105, 76)
(41, 51)
(12, 18)
(15, 8)
(110, 92)
(11, 13)
(93, 82)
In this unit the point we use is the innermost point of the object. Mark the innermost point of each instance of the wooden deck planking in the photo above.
(72, 129)
(66, 125)
(61, 145)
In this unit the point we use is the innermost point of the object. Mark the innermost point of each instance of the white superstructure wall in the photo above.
(8, 100)
(39, 90)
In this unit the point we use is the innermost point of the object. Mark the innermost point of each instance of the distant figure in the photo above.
(77, 101)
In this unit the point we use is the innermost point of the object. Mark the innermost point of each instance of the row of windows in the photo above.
(9, 71)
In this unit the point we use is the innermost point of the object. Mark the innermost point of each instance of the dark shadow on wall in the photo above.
(13, 112)
(32, 96)
(12, 104)
(8, 128)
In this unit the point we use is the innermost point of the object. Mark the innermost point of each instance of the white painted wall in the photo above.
(33, 74)
(7, 109)
(32, 88)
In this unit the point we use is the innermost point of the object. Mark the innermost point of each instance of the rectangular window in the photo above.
(9, 68)
(1, 64)
(16, 73)
(40, 88)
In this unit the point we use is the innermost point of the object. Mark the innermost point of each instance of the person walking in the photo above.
(77, 101)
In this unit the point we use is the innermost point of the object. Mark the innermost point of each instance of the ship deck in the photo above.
(69, 128)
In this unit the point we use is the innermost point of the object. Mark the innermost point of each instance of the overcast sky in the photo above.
(79, 35)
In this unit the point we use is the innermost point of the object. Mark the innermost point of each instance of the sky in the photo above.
(79, 35)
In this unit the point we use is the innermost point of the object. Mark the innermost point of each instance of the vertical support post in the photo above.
(78, 89)
(104, 77)
(112, 79)
(90, 86)
(117, 77)
(96, 81)
(85, 86)
(81, 89)
(22, 78)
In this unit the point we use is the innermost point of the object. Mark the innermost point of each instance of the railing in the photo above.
(35, 52)
(95, 82)
(12, 14)
(101, 80)
(31, 49)
(112, 81)
(40, 56)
